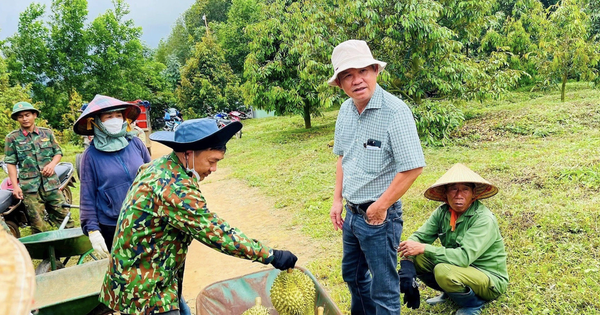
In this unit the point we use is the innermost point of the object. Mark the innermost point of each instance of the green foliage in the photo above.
(437, 121)
(549, 221)
(68, 46)
(207, 81)
(9, 95)
(426, 44)
(116, 58)
(232, 35)
(566, 51)
(288, 64)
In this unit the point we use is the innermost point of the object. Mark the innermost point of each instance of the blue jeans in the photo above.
(369, 264)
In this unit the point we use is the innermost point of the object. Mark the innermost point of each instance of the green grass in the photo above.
(540, 152)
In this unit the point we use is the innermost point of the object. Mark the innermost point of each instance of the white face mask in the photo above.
(193, 169)
(113, 125)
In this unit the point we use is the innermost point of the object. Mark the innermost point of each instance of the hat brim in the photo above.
(14, 115)
(216, 139)
(132, 112)
(457, 174)
(481, 191)
(355, 64)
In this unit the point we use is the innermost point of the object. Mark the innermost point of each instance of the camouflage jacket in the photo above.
(31, 151)
(163, 212)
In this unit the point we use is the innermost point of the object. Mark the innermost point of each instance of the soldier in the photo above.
(35, 151)
(163, 212)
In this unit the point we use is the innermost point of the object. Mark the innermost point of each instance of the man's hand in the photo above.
(411, 248)
(376, 214)
(17, 191)
(48, 170)
(408, 284)
(335, 214)
(283, 259)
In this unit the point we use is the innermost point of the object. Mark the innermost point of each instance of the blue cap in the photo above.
(196, 134)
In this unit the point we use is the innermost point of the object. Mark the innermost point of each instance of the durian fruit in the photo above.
(293, 293)
(257, 309)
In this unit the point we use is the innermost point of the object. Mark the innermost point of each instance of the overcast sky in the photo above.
(156, 17)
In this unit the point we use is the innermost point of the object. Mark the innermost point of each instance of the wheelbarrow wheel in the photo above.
(45, 266)
(14, 228)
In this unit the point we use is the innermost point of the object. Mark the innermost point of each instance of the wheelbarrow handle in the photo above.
(65, 221)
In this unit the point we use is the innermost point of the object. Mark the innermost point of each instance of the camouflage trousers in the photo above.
(43, 206)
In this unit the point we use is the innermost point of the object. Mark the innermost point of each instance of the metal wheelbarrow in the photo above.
(52, 245)
(70, 291)
(236, 295)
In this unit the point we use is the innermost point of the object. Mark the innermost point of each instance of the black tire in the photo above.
(45, 266)
(68, 195)
(14, 228)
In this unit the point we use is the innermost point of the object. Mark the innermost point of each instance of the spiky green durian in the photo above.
(257, 309)
(293, 293)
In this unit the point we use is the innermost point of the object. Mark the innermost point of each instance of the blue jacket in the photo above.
(105, 179)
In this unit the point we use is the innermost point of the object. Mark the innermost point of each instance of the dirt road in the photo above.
(254, 214)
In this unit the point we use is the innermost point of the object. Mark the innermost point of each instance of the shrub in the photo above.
(436, 121)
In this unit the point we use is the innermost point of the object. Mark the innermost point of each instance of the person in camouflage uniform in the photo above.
(35, 151)
(163, 212)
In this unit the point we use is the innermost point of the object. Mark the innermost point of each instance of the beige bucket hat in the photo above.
(459, 173)
(352, 54)
(17, 278)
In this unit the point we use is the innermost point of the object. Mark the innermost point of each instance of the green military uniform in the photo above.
(163, 212)
(31, 152)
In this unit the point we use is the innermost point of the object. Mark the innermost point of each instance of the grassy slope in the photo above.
(543, 155)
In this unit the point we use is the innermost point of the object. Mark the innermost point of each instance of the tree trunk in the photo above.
(564, 87)
(306, 115)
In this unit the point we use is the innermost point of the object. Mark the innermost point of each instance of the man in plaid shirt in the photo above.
(380, 156)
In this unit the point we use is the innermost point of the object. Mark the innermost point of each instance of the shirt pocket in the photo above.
(24, 151)
(46, 148)
(114, 197)
(373, 160)
(28, 175)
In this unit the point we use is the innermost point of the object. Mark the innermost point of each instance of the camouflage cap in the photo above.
(21, 107)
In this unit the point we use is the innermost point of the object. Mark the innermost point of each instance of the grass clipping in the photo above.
(293, 293)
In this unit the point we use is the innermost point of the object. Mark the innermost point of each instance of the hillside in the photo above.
(541, 153)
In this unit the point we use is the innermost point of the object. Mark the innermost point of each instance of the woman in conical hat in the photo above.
(470, 265)
(108, 166)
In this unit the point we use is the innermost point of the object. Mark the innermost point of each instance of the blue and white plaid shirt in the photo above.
(375, 145)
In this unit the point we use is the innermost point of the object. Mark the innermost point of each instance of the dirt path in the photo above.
(254, 214)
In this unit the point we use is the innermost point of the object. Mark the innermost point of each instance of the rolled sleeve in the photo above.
(10, 154)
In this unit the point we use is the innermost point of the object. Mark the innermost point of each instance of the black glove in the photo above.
(283, 259)
(408, 284)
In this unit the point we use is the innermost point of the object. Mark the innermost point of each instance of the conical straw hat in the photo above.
(17, 278)
(459, 173)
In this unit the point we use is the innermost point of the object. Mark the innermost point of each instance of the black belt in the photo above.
(359, 209)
